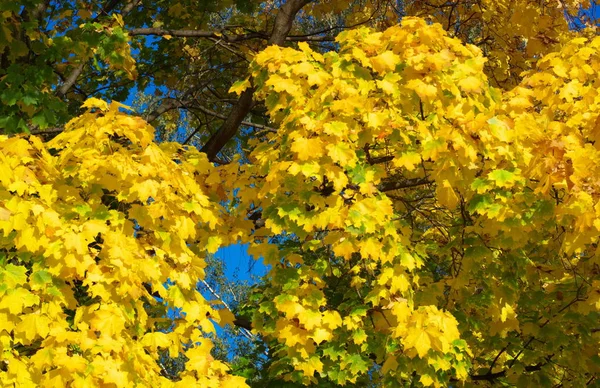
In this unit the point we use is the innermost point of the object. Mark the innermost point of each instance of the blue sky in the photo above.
(240, 262)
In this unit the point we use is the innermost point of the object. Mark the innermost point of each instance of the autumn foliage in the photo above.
(422, 222)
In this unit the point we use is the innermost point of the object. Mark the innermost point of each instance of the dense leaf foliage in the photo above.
(423, 191)
(97, 223)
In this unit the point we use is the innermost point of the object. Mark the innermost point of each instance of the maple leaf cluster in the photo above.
(440, 227)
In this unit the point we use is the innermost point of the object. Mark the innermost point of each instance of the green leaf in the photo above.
(39, 120)
(83, 210)
(480, 185)
(479, 203)
(503, 178)
(41, 278)
(357, 363)
(13, 275)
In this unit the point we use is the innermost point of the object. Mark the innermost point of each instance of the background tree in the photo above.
(424, 192)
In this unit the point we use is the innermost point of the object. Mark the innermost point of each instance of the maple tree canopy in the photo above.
(421, 179)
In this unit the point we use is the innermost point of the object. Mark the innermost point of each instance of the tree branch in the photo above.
(72, 78)
(394, 184)
(195, 34)
(283, 25)
(173, 103)
(497, 375)
(47, 131)
(243, 323)
(238, 321)
(223, 36)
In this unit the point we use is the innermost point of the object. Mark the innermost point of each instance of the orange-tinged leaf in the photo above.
(226, 317)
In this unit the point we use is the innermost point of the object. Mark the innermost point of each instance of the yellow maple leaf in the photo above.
(284, 84)
(213, 243)
(290, 334)
(332, 319)
(239, 86)
(418, 339)
(307, 149)
(399, 283)
(310, 319)
(43, 358)
(559, 67)
(95, 103)
(175, 295)
(507, 312)
(76, 242)
(16, 299)
(446, 195)
(426, 380)
(470, 84)
(13, 275)
(233, 382)
(407, 160)
(385, 61)
(110, 370)
(344, 249)
(342, 153)
(156, 340)
(109, 320)
(4, 214)
(146, 189)
(314, 364)
(370, 247)
(359, 336)
(32, 326)
(290, 308)
(199, 357)
(425, 91)
(320, 334)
